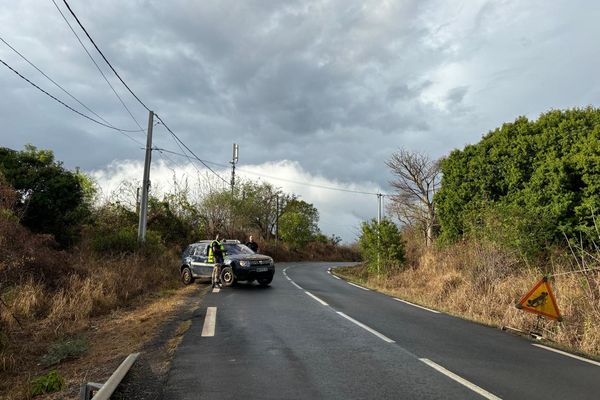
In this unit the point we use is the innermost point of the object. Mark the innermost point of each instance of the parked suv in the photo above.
(240, 264)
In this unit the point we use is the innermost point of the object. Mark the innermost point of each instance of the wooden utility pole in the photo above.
(234, 160)
(146, 182)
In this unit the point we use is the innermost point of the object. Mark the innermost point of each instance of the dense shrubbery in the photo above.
(381, 246)
(527, 184)
(50, 199)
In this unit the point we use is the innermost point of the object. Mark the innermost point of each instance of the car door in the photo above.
(200, 265)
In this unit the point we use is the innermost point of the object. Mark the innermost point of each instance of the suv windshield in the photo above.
(236, 248)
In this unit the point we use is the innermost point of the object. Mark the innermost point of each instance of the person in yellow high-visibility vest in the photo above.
(216, 255)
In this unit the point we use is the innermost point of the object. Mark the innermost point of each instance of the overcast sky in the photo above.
(311, 90)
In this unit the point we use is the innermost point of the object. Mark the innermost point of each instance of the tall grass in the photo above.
(47, 293)
(483, 282)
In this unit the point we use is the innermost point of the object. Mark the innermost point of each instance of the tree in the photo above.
(298, 224)
(527, 183)
(51, 199)
(417, 180)
(381, 244)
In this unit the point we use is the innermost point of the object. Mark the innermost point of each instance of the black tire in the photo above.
(186, 276)
(264, 282)
(227, 277)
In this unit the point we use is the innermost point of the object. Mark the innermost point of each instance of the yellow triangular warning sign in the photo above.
(540, 300)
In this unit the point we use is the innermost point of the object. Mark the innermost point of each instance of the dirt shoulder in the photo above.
(153, 326)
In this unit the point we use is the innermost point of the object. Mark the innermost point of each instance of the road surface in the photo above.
(313, 336)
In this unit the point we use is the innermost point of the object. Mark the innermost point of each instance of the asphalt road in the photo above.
(312, 336)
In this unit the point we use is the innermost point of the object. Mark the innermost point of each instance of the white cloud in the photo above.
(341, 213)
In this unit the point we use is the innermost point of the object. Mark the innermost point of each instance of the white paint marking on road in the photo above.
(460, 380)
(416, 305)
(329, 271)
(288, 278)
(210, 322)
(373, 331)
(295, 284)
(360, 287)
(336, 277)
(216, 290)
(564, 353)
(316, 298)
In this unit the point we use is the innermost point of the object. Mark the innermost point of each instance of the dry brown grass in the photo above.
(481, 282)
(47, 294)
(111, 338)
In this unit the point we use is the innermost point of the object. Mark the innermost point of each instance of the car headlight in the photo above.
(244, 263)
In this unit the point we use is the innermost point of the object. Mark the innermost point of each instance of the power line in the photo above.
(97, 66)
(129, 89)
(63, 89)
(188, 149)
(277, 178)
(66, 105)
(102, 54)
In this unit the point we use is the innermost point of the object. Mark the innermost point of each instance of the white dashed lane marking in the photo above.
(210, 322)
(460, 380)
(316, 298)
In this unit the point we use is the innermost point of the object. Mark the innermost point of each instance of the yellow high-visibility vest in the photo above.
(211, 256)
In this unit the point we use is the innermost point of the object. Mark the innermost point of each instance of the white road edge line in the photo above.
(210, 322)
(373, 331)
(288, 278)
(360, 287)
(416, 305)
(316, 298)
(564, 353)
(460, 380)
(216, 290)
(337, 277)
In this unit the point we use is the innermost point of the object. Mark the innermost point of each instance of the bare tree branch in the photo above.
(417, 181)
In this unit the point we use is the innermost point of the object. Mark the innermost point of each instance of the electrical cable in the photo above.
(277, 178)
(97, 66)
(63, 89)
(188, 149)
(128, 88)
(66, 105)
(102, 54)
(176, 137)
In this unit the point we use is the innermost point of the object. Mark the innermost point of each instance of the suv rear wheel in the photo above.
(186, 276)
(227, 277)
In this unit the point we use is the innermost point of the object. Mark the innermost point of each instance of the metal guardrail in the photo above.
(104, 391)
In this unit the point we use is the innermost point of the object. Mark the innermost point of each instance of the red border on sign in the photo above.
(532, 310)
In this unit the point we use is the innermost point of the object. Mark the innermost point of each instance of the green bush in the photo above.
(527, 183)
(65, 349)
(125, 241)
(50, 383)
(381, 244)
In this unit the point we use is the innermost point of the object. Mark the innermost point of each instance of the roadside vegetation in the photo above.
(69, 257)
(481, 226)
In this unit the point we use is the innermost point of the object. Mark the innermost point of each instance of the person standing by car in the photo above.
(216, 255)
(252, 244)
